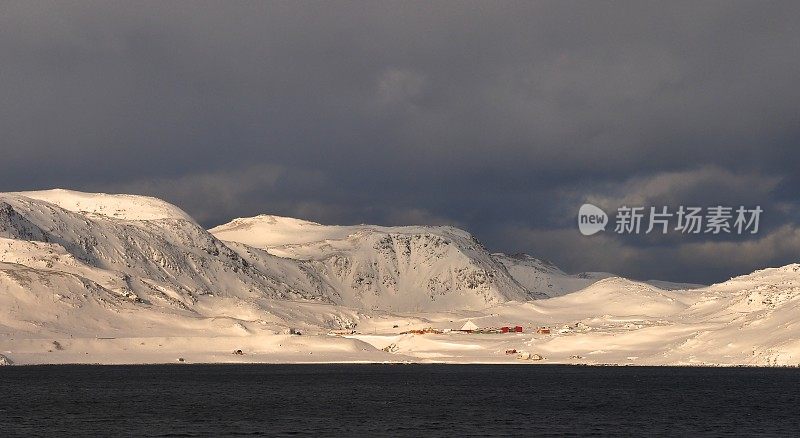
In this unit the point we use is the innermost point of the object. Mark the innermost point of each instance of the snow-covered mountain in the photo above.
(415, 268)
(128, 207)
(145, 250)
(119, 278)
(96, 256)
(127, 253)
(750, 319)
(173, 253)
(544, 277)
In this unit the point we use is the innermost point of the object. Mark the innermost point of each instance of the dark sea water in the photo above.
(397, 400)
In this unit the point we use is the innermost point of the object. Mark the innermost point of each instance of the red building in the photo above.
(515, 329)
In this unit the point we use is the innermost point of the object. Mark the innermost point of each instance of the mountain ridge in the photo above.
(134, 269)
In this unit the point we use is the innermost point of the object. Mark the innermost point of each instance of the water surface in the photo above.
(397, 400)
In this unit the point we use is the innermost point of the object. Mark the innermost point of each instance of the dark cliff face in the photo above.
(15, 226)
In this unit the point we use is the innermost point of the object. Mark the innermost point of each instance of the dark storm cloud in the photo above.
(501, 117)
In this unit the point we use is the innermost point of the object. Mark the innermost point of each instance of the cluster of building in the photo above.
(471, 327)
(424, 331)
(468, 327)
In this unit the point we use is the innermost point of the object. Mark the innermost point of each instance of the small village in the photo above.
(471, 328)
(468, 328)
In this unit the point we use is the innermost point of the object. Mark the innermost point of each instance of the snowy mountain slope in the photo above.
(85, 264)
(272, 232)
(760, 292)
(147, 257)
(305, 240)
(80, 285)
(544, 277)
(296, 275)
(174, 252)
(386, 268)
(128, 207)
(167, 264)
(621, 297)
(750, 319)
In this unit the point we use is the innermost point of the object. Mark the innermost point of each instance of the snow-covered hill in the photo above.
(544, 277)
(415, 268)
(130, 207)
(60, 270)
(173, 252)
(749, 319)
(121, 279)
(348, 256)
(74, 262)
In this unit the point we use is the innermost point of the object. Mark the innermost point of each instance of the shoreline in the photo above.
(271, 349)
(398, 363)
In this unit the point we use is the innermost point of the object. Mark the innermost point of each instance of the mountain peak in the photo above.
(118, 206)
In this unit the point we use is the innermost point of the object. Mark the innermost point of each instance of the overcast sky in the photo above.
(498, 117)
